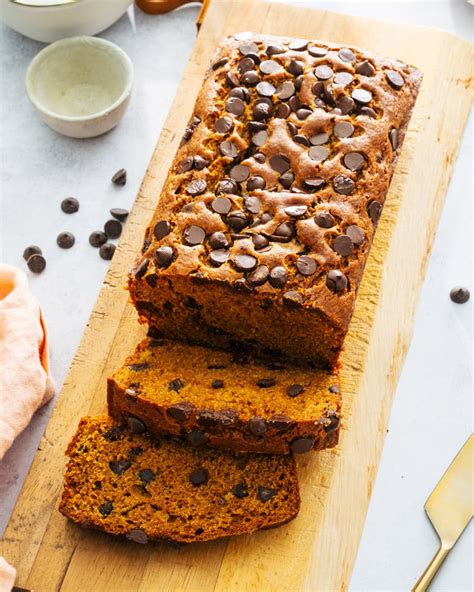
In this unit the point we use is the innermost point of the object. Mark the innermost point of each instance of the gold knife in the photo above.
(450, 507)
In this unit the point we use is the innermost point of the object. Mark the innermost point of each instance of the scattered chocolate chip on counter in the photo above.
(119, 214)
(36, 263)
(459, 294)
(70, 205)
(113, 228)
(31, 250)
(97, 238)
(120, 177)
(65, 240)
(107, 251)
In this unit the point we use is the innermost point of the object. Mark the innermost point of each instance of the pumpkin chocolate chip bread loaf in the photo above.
(266, 219)
(228, 401)
(145, 488)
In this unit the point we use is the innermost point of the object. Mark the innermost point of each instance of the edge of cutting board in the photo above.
(317, 550)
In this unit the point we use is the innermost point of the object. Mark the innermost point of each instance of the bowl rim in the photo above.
(70, 41)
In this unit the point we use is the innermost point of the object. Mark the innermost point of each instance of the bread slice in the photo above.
(229, 401)
(145, 488)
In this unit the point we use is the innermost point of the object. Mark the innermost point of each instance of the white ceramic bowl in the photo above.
(80, 86)
(50, 23)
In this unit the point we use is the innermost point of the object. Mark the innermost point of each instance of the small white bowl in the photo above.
(80, 86)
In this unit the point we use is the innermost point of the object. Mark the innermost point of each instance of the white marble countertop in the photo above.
(432, 413)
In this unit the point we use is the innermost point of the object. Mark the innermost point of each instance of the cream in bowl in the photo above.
(80, 86)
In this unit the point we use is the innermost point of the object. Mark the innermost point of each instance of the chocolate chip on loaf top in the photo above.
(145, 488)
(276, 191)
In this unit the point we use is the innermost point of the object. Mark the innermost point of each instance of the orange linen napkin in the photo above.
(25, 380)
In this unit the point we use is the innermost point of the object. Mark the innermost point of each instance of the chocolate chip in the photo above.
(270, 67)
(245, 263)
(306, 265)
(286, 180)
(252, 204)
(274, 49)
(135, 425)
(194, 235)
(196, 438)
(218, 240)
(317, 89)
(32, 250)
(284, 232)
(361, 96)
(331, 422)
(296, 68)
(106, 508)
(296, 211)
(199, 476)
(328, 96)
(200, 163)
(314, 184)
(256, 126)
(336, 281)
(365, 68)
(368, 112)
(147, 476)
(219, 256)
(292, 129)
(318, 153)
(285, 90)
(114, 434)
(280, 422)
(343, 129)
(250, 78)
(374, 210)
(258, 276)
(119, 214)
(138, 367)
(278, 277)
(260, 138)
(354, 161)
(120, 177)
(259, 242)
(137, 535)
(333, 388)
(303, 113)
(280, 163)
(65, 240)
(241, 490)
(161, 229)
(298, 45)
(219, 63)
(232, 79)
(266, 382)
(265, 89)
(317, 52)
(300, 139)
(459, 295)
(346, 55)
(229, 149)
(266, 493)
(282, 111)
(224, 125)
(319, 139)
(120, 466)
(163, 256)
(196, 187)
(325, 220)
(294, 390)
(180, 411)
(227, 186)
(394, 79)
(345, 105)
(356, 234)
(247, 47)
(113, 228)
(36, 263)
(176, 385)
(221, 205)
(107, 251)
(257, 425)
(343, 245)
(343, 78)
(240, 173)
(246, 64)
(301, 445)
(323, 72)
(237, 220)
(343, 185)
(235, 105)
(70, 205)
(393, 137)
(261, 112)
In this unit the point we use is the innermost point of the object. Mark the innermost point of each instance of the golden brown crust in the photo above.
(313, 302)
(148, 489)
(226, 401)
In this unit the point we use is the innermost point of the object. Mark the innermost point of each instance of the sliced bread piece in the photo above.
(228, 401)
(145, 488)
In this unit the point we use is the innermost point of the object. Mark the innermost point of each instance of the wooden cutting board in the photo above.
(317, 550)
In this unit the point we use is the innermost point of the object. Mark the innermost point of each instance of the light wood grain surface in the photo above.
(318, 549)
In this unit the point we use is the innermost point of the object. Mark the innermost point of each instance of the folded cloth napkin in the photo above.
(25, 380)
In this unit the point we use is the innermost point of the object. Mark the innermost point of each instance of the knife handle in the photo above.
(430, 572)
